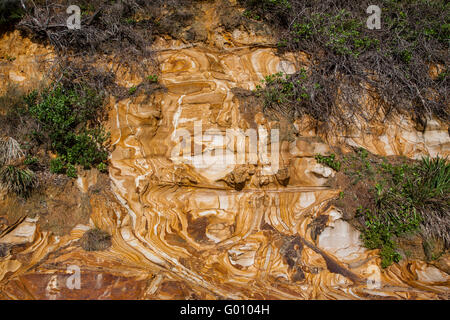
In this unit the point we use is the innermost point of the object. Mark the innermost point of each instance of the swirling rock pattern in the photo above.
(255, 242)
(182, 230)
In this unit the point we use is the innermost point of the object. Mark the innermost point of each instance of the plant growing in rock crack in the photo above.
(153, 78)
(329, 161)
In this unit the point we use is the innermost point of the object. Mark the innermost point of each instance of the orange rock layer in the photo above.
(186, 230)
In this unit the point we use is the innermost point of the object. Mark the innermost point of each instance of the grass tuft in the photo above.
(10, 151)
(17, 180)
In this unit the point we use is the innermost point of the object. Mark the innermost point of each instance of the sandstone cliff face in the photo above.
(183, 229)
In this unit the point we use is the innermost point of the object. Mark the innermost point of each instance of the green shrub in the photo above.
(346, 58)
(340, 32)
(58, 165)
(408, 199)
(17, 180)
(382, 227)
(287, 94)
(71, 171)
(102, 167)
(389, 256)
(329, 161)
(30, 161)
(85, 149)
(132, 90)
(60, 111)
(67, 118)
(278, 89)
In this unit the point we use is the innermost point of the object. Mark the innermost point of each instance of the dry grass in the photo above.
(10, 151)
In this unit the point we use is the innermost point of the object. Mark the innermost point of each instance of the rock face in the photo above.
(188, 225)
(22, 62)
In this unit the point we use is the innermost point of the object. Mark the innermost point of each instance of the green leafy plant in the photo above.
(153, 78)
(382, 227)
(71, 171)
(251, 15)
(287, 94)
(30, 161)
(329, 161)
(102, 167)
(67, 121)
(132, 90)
(344, 34)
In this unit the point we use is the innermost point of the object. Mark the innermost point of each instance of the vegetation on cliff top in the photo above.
(402, 67)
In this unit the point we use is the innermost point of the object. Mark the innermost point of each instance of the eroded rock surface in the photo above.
(186, 229)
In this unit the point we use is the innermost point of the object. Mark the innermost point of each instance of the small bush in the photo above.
(389, 255)
(329, 161)
(31, 161)
(95, 240)
(382, 227)
(406, 199)
(290, 95)
(58, 165)
(67, 118)
(87, 149)
(132, 90)
(391, 66)
(153, 78)
(17, 180)
(71, 171)
(102, 167)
